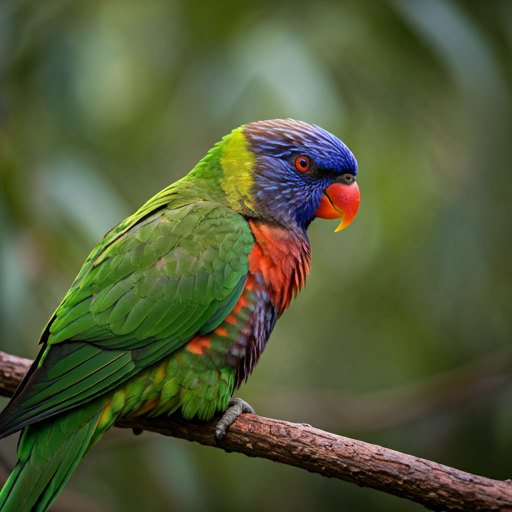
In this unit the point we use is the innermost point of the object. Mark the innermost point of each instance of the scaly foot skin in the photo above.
(236, 407)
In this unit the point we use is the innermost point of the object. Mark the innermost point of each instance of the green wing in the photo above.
(145, 291)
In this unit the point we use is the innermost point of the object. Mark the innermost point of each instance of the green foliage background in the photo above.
(403, 334)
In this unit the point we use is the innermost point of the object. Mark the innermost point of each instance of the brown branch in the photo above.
(435, 486)
(12, 371)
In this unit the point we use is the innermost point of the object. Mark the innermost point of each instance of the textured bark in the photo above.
(12, 371)
(435, 486)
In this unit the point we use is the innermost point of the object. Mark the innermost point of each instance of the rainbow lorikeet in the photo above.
(173, 308)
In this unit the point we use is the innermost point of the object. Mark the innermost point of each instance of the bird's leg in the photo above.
(236, 407)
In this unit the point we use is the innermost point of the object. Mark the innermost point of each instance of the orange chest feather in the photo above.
(282, 259)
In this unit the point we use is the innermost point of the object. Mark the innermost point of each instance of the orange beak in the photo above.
(340, 201)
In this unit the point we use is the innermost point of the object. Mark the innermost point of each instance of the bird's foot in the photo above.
(236, 407)
(137, 431)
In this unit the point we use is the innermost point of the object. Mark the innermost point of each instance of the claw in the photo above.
(236, 407)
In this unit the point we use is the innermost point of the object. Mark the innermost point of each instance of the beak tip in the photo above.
(345, 221)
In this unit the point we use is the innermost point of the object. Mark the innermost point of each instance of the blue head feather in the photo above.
(283, 193)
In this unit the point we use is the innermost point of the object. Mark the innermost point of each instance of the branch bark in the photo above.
(433, 485)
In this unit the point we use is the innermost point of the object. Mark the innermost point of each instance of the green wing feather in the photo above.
(48, 453)
(147, 289)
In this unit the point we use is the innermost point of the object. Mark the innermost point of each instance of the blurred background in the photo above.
(402, 336)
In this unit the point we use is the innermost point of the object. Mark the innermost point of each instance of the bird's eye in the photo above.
(348, 178)
(302, 163)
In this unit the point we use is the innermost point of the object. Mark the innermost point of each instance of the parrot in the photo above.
(173, 308)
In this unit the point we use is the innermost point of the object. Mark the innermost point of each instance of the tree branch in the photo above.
(435, 486)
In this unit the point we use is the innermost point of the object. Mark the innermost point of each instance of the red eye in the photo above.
(302, 163)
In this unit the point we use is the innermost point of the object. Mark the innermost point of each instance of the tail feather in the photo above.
(48, 453)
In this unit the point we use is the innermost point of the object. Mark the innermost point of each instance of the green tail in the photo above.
(48, 453)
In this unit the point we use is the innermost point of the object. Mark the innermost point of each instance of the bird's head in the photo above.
(287, 171)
